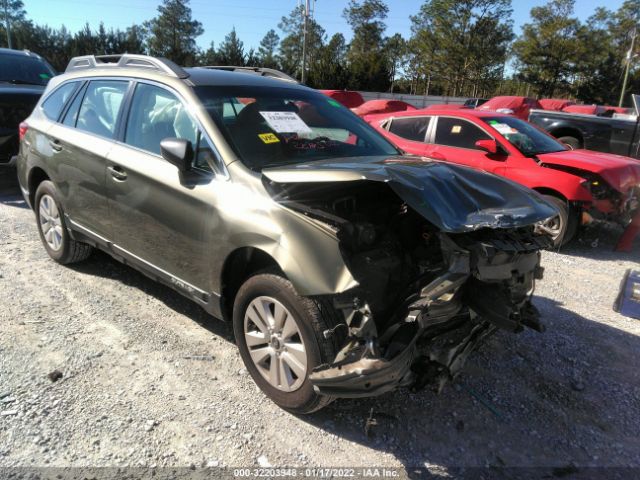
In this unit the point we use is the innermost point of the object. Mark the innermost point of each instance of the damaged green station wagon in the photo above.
(346, 268)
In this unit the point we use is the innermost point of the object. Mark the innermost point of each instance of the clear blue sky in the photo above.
(251, 18)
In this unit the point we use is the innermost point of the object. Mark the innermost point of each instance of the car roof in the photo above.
(462, 113)
(195, 76)
(18, 53)
(200, 76)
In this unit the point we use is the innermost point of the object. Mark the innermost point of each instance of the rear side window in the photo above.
(455, 132)
(71, 116)
(55, 102)
(101, 106)
(410, 128)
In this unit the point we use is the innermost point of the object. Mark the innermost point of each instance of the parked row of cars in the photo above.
(347, 267)
(494, 136)
(581, 183)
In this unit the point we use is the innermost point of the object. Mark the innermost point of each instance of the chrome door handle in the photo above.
(55, 145)
(118, 173)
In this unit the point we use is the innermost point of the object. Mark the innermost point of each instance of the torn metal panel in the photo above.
(486, 286)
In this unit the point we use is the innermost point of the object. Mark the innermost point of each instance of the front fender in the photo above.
(306, 251)
(544, 178)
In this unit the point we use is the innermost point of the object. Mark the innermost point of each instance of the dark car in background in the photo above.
(608, 132)
(475, 102)
(23, 77)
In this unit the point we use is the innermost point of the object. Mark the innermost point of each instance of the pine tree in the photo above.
(548, 50)
(172, 34)
(267, 50)
(231, 51)
(366, 57)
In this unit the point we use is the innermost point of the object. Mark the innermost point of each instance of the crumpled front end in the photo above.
(442, 255)
(486, 285)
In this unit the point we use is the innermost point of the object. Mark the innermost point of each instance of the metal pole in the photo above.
(304, 43)
(7, 23)
(626, 72)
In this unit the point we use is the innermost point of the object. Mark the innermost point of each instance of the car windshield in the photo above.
(269, 126)
(524, 136)
(25, 70)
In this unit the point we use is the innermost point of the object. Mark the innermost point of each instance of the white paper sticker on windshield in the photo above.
(285, 122)
(503, 128)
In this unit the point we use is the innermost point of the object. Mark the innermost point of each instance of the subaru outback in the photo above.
(347, 269)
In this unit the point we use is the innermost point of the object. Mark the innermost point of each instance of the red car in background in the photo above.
(348, 98)
(511, 105)
(382, 106)
(555, 104)
(577, 181)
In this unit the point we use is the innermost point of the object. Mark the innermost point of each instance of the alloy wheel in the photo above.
(275, 343)
(50, 222)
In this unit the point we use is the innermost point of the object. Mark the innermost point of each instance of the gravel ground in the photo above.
(149, 379)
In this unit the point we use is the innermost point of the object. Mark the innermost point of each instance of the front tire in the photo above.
(562, 228)
(280, 337)
(53, 229)
(572, 142)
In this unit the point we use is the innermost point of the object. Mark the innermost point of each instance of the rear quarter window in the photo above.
(414, 129)
(56, 100)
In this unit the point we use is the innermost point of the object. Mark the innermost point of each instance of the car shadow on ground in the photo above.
(101, 264)
(558, 401)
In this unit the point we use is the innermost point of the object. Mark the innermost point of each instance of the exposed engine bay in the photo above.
(426, 298)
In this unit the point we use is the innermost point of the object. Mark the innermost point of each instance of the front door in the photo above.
(454, 140)
(160, 216)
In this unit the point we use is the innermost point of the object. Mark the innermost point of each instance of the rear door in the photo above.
(453, 140)
(410, 133)
(162, 217)
(81, 142)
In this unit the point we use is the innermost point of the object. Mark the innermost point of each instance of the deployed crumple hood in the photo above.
(621, 173)
(454, 198)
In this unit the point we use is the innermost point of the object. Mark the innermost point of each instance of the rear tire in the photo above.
(52, 227)
(565, 225)
(572, 142)
(271, 346)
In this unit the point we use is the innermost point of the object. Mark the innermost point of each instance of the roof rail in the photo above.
(126, 60)
(264, 72)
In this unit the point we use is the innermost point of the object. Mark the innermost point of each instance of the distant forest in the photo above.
(456, 48)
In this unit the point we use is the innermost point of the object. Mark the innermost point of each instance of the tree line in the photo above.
(456, 47)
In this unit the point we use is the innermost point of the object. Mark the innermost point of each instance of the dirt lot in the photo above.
(150, 379)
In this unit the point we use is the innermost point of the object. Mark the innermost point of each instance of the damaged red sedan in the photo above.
(578, 182)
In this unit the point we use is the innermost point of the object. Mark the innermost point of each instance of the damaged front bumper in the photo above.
(486, 286)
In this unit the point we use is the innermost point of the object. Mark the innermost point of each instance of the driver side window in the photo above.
(157, 114)
(454, 132)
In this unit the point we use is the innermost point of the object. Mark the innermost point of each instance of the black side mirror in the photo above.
(178, 152)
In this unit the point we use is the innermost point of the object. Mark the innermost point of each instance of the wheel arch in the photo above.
(36, 176)
(568, 132)
(239, 265)
(552, 192)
